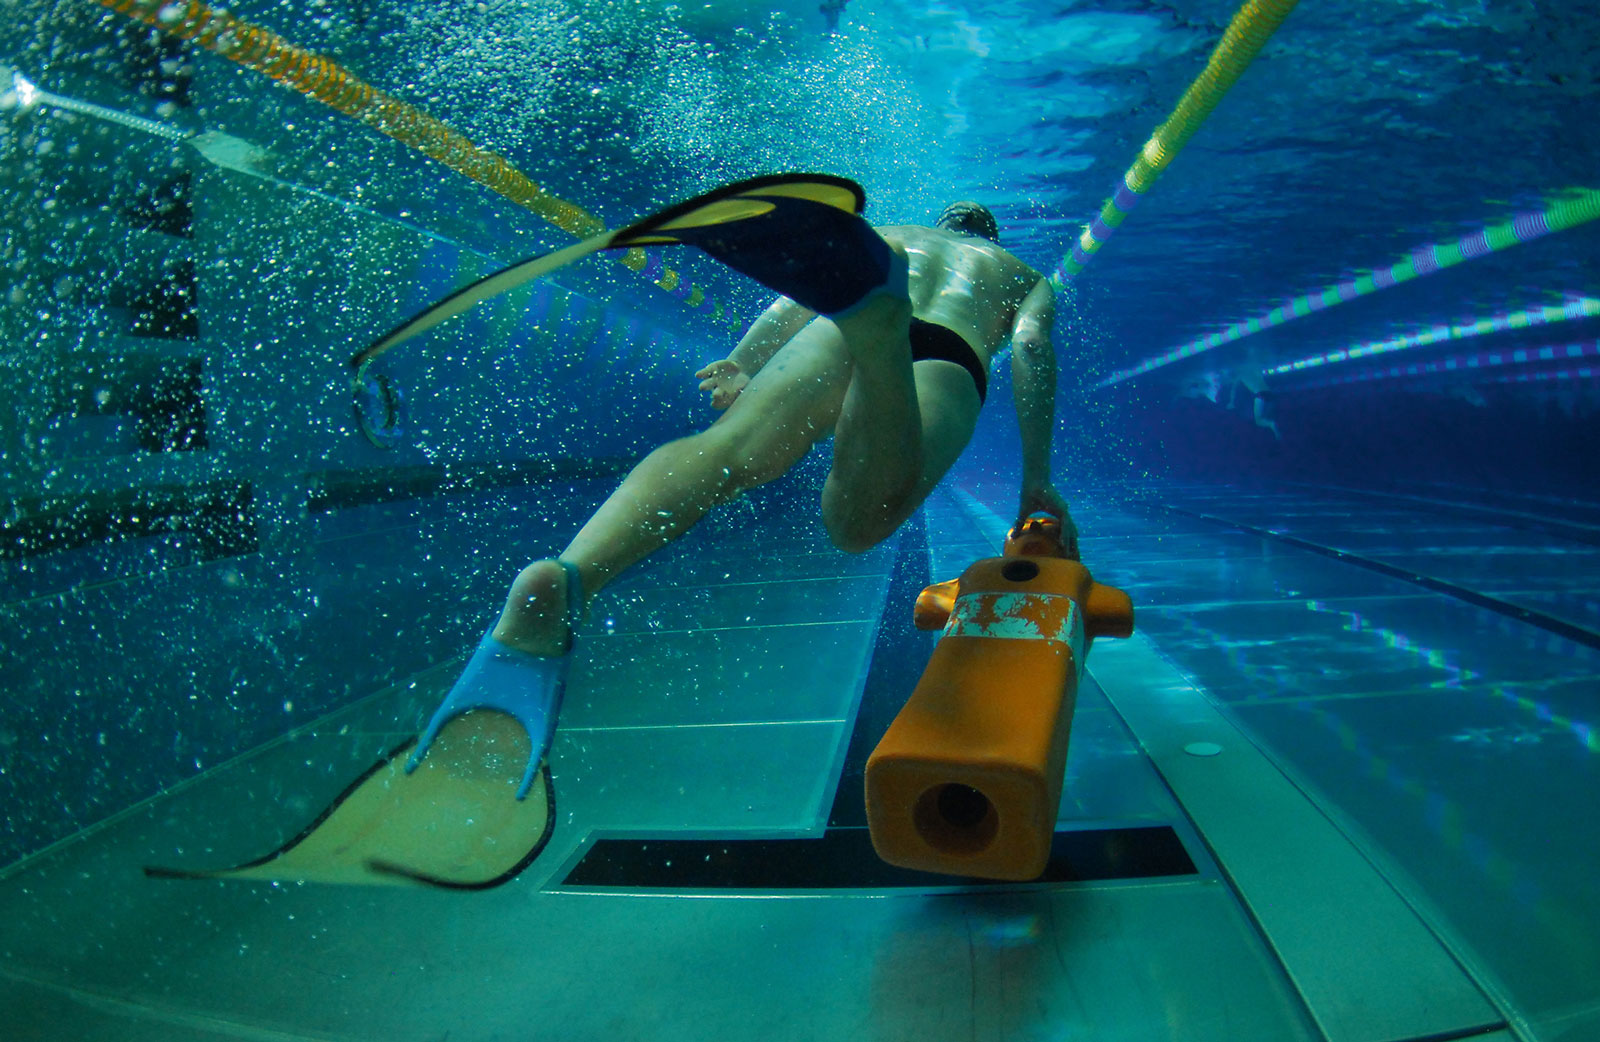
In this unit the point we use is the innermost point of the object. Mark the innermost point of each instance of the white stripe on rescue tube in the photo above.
(1020, 616)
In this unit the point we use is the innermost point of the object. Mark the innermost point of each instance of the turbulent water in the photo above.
(1364, 130)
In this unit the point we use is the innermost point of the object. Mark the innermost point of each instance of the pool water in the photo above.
(1324, 405)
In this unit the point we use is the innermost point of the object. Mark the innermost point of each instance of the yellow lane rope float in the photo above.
(1249, 31)
(326, 81)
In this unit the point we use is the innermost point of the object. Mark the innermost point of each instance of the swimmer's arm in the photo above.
(1033, 377)
(776, 327)
(727, 379)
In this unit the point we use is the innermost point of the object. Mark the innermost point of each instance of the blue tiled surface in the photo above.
(1457, 743)
(128, 686)
(161, 669)
(1346, 645)
(1483, 799)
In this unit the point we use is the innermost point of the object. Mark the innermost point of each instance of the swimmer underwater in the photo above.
(883, 339)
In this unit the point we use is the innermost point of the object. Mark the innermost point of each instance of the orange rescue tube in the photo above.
(967, 780)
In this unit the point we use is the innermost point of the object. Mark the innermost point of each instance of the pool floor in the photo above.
(1387, 847)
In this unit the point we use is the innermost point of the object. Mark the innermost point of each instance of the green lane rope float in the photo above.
(325, 81)
(1528, 318)
(1522, 364)
(1576, 207)
(1249, 30)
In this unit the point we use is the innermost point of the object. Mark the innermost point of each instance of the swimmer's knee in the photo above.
(854, 535)
(855, 532)
(852, 541)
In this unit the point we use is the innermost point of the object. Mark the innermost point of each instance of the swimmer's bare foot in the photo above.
(535, 616)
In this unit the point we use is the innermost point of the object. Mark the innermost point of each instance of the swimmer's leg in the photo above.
(790, 404)
(1263, 417)
(900, 427)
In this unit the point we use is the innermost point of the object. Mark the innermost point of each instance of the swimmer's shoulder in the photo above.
(902, 234)
(933, 239)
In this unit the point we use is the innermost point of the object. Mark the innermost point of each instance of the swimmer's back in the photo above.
(966, 284)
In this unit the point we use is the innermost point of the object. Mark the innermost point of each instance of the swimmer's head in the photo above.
(969, 218)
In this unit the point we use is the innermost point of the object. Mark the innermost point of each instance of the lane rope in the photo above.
(1578, 207)
(1527, 318)
(326, 81)
(1251, 27)
(1523, 360)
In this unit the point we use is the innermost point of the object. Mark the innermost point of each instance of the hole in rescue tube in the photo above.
(955, 819)
(1019, 571)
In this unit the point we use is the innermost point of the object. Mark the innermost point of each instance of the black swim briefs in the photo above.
(932, 341)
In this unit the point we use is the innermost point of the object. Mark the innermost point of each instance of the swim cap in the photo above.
(971, 218)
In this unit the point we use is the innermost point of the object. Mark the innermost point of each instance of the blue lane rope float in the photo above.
(1528, 318)
(1575, 207)
(1470, 365)
(1247, 33)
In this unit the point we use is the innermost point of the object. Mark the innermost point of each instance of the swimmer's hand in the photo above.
(724, 380)
(1041, 497)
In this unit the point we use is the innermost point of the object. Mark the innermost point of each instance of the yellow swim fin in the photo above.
(454, 821)
(799, 234)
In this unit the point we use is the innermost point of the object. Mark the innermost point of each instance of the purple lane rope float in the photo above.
(1578, 206)
(1528, 318)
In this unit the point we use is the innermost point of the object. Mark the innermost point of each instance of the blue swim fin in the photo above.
(523, 686)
